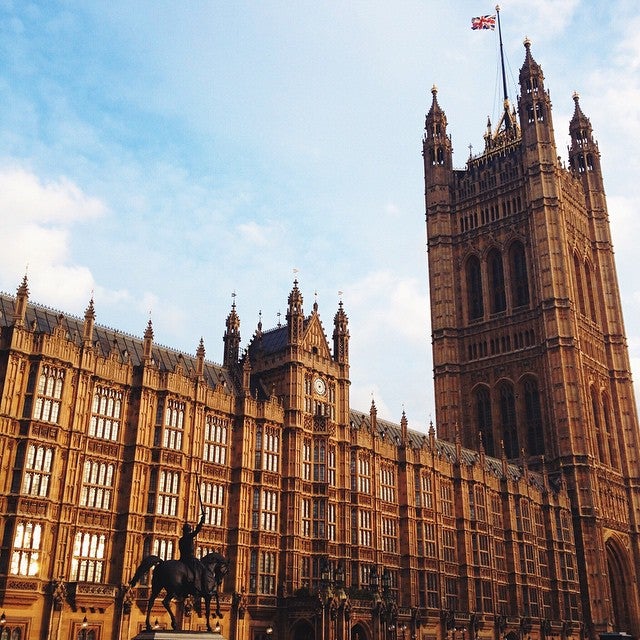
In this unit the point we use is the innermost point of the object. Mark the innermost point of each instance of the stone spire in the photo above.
(231, 338)
(147, 343)
(200, 353)
(295, 315)
(89, 323)
(341, 336)
(22, 297)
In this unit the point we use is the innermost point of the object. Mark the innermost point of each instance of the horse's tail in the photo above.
(145, 565)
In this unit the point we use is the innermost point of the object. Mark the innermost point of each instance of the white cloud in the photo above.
(37, 218)
(24, 197)
(391, 303)
(555, 15)
(254, 233)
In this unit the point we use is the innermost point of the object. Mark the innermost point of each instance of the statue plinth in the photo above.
(179, 635)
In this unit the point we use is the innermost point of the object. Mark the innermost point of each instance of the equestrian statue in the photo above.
(188, 576)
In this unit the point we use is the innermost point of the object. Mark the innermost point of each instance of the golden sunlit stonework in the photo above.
(518, 521)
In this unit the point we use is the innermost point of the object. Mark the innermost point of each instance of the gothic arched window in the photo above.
(474, 288)
(484, 420)
(508, 420)
(610, 432)
(496, 281)
(533, 418)
(597, 424)
(577, 268)
(519, 275)
(590, 296)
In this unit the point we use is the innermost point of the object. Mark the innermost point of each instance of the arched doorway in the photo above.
(617, 563)
(302, 630)
(359, 632)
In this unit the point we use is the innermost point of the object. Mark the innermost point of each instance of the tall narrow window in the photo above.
(319, 461)
(168, 491)
(364, 475)
(388, 484)
(88, 560)
(485, 421)
(173, 425)
(496, 280)
(262, 572)
(25, 556)
(163, 548)
(268, 572)
(306, 459)
(595, 410)
(519, 275)
(331, 465)
(331, 522)
(508, 419)
(533, 418)
(609, 427)
(213, 500)
(106, 413)
(49, 392)
(270, 449)
(590, 295)
(305, 512)
(215, 440)
(37, 473)
(320, 518)
(364, 528)
(269, 519)
(389, 535)
(97, 484)
(474, 288)
(446, 498)
(577, 268)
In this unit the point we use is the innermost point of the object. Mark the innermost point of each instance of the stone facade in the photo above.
(340, 525)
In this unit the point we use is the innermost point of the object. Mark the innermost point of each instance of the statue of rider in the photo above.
(186, 545)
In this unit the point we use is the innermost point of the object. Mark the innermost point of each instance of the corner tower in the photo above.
(530, 358)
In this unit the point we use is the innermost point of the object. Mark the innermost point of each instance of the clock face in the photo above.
(319, 386)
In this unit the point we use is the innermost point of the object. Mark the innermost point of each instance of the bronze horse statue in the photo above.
(179, 581)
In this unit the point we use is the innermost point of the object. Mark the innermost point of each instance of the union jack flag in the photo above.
(483, 22)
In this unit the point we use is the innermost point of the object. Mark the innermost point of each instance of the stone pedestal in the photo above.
(178, 635)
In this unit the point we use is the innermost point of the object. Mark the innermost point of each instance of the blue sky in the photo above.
(163, 155)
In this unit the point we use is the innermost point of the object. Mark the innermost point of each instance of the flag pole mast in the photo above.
(507, 119)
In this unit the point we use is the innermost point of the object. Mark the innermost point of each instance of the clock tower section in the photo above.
(295, 363)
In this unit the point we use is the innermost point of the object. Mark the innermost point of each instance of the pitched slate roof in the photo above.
(42, 319)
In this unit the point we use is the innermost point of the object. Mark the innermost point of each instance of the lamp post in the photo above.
(384, 607)
(269, 632)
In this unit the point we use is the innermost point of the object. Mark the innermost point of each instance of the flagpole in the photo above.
(507, 120)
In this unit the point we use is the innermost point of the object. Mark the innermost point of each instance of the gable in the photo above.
(314, 338)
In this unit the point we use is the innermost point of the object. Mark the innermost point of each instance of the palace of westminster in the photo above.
(519, 521)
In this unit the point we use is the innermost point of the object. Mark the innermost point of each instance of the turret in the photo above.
(231, 338)
(341, 336)
(147, 343)
(404, 428)
(22, 297)
(436, 144)
(200, 353)
(295, 315)
(584, 155)
(535, 111)
(89, 323)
